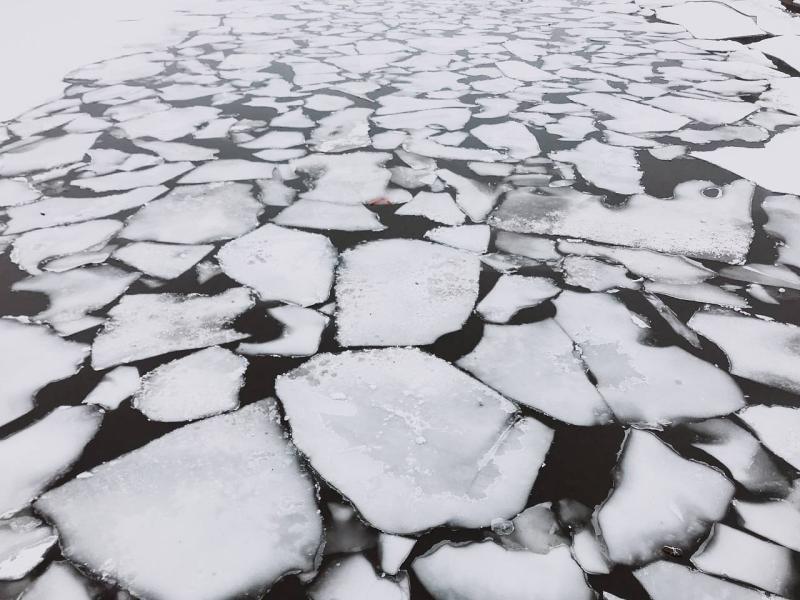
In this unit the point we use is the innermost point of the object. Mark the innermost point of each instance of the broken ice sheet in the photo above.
(315, 214)
(126, 180)
(38, 455)
(196, 214)
(352, 178)
(31, 356)
(233, 477)
(16, 192)
(512, 293)
(757, 349)
(509, 135)
(412, 291)
(710, 20)
(777, 427)
(116, 386)
(698, 292)
(660, 499)
(166, 261)
(354, 578)
(537, 365)
(281, 264)
(144, 325)
(438, 207)
(202, 384)
(46, 154)
(402, 471)
(611, 168)
(473, 238)
(595, 275)
(229, 169)
(301, 335)
(643, 384)
(701, 220)
(667, 581)
(24, 540)
(482, 570)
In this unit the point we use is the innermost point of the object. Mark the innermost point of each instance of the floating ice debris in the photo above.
(608, 167)
(595, 275)
(764, 351)
(741, 453)
(31, 356)
(353, 178)
(170, 124)
(61, 581)
(79, 259)
(486, 570)
(643, 384)
(437, 207)
(530, 246)
(294, 119)
(432, 149)
(31, 248)
(522, 71)
(166, 261)
(118, 70)
(667, 581)
(144, 325)
(782, 47)
(301, 336)
(75, 293)
(783, 95)
(769, 167)
(660, 499)
(196, 214)
(393, 551)
(403, 292)
(47, 153)
(64, 210)
(710, 20)
(693, 223)
(452, 119)
(134, 179)
(347, 129)
(233, 477)
(16, 192)
(536, 365)
(736, 555)
(315, 214)
(231, 169)
(24, 540)
(354, 578)
(698, 292)
(327, 102)
(176, 151)
(408, 453)
(473, 238)
(36, 456)
(712, 111)
(203, 384)
(474, 198)
(281, 264)
(776, 427)
(114, 388)
(274, 192)
(512, 293)
(630, 116)
(277, 139)
(509, 135)
(783, 213)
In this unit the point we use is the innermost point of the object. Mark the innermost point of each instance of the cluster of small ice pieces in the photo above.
(360, 300)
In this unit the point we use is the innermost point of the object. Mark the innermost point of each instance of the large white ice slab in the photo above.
(166, 261)
(353, 178)
(710, 20)
(315, 214)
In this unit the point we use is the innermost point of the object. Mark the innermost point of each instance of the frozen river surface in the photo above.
(357, 300)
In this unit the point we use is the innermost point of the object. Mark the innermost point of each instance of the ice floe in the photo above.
(166, 261)
(665, 580)
(776, 427)
(474, 238)
(301, 336)
(114, 388)
(354, 578)
(24, 540)
(513, 293)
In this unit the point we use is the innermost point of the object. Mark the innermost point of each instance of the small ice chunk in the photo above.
(587, 548)
(393, 423)
(710, 20)
(473, 238)
(352, 178)
(126, 180)
(508, 135)
(166, 261)
(393, 551)
(233, 477)
(346, 129)
(47, 153)
(777, 520)
(595, 275)
(667, 580)
(315, 214)
(764, 351)
(611, 168)
(196, 214)
(24, 540)
(200, 385)
(302, 331)
(38, 455)
(736, 555)
(16, 192)
(643, 384)
(411, 291)
(777, 427)
(31, 248)
(484, 570)
(536, 365)
(114, 388)
(783, 214)
(474, 198)
(145, 325)
(512, 293)
(660, 499)
(437, 207)
(711, 111)
(32, 356)
(61, 581)
(229, 169)
(352, 577)
(530, 246)
(281, 264)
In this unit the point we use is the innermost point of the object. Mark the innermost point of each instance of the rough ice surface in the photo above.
(660, 499)
(281, 264)
(487, 570)
(445, 446)
(354, 578)
(232, 477)
(513, 293)
(31, 356)
(36, 456)
(203, 384)
(144, 325)
(536, 364)
(302, 331)
(403, 292)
